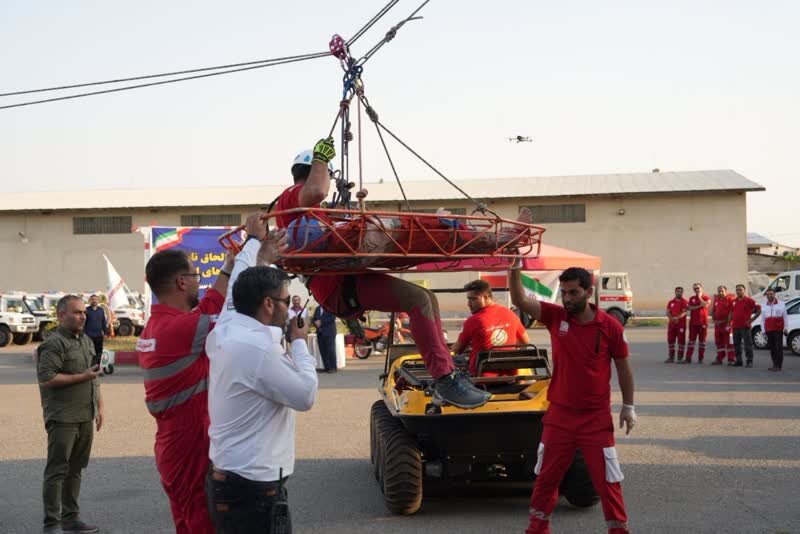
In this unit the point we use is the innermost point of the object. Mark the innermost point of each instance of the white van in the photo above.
(786, 287)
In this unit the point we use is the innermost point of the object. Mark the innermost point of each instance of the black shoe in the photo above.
(52, 529)
(736, 364)
(749, 363)
(716, 362)
(669, 360)
(679, 360)
(685, 362)
(331, 370)
(456, 389)
(78, 527)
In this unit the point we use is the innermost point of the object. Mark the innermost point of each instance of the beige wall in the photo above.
(55, 259)
(661, 240)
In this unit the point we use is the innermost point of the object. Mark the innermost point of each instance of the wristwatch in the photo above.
(251, 236)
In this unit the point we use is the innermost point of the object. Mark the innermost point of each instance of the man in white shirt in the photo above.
(254, 389)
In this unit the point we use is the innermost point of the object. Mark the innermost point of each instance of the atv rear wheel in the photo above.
(576, 485)
(378, 417)
(401, 468)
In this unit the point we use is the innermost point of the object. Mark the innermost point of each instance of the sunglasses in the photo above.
(286, 301)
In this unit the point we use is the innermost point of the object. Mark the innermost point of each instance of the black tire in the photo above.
(378, 417)
(402, 469)
(577, 486)
(5, 335)
(362, 348)
(794, 342)
(23, 339)
(618, 315)
(125, 329)
(760, 340)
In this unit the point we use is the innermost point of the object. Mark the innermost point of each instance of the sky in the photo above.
(600, 87)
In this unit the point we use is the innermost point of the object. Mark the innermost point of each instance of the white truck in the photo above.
(16, 324)
(616, 296)
(46, 321)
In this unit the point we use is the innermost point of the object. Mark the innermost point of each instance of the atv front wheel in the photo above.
(401, 468)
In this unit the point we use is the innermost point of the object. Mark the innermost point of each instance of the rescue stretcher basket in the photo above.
(341, 241)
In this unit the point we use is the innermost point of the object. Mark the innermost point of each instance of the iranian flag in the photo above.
(541, 285)
(169, 239)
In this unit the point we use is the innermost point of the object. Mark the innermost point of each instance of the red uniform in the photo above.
(676, 331)
(579, 415)
(698, 328)
(491, 326)
(374, 291)
(172, 355)
(743, 309)
(722, 327)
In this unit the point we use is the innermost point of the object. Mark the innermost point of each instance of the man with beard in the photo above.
(255, 388)
(171, 352)
(490, 326)
(677, 309)
(721, 312)
(585, 340)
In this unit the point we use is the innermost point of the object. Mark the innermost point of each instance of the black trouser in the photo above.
(241, 506)
(68, 448)
(98, 348)
(743, 336)
(775, 339)
(327, 350)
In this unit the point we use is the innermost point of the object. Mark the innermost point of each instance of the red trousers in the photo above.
(564, 431)
(381, 292)
(676, 332)
(182, 459)
(722, 339)
(697, 332)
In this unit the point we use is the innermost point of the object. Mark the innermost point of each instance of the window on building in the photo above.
(558, 213)
(213, 219)
(121, 224)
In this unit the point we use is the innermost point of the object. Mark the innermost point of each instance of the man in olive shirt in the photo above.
(70, 401)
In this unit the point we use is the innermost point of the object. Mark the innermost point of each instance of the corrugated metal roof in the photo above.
(496, 188)
(754, 238)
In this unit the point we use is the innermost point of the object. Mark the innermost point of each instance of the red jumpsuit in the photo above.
(579, 415)
(722, 327)
(375, 291)
(698, 328)
(172, 356)
(676, 331)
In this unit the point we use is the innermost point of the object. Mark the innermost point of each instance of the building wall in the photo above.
(661, 241)
(55, 259)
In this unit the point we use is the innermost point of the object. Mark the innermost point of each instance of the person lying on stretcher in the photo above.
(349, 296)
(386, 234)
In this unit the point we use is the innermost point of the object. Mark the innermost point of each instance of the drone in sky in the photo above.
(521, 139)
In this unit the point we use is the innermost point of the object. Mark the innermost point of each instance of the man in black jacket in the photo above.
(325, 322)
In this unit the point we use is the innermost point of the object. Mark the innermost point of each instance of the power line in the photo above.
(294, 59)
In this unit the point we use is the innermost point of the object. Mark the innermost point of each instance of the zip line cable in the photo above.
(219, 70)
(293, 59)
(148, 76)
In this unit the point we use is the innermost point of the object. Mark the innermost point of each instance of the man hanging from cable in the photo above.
(348, 296)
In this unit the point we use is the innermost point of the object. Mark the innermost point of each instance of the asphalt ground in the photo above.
(716, 449)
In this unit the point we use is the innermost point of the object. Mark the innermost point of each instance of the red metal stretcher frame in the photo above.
(528, 237)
